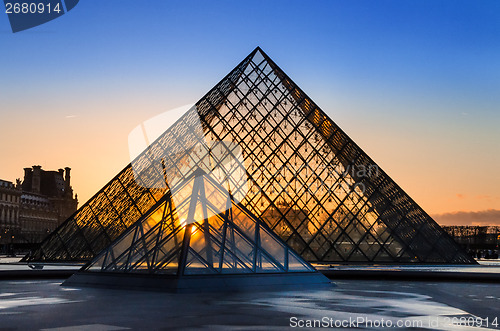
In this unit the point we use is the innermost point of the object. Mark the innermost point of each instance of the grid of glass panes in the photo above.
(304, 175)
(313, 185)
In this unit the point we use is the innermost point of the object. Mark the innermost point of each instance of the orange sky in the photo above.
(438, 167)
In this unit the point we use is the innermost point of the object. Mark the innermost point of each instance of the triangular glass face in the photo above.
(266, 264)
(196, 265)
(295, 263)
(150, 245)
(303, 176)
(161, 244)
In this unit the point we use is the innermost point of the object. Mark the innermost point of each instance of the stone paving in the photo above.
(44, 304)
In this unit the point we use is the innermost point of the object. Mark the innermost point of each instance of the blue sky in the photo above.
(414, 83)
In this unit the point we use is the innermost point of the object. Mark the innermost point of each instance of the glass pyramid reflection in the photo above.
(306, 179)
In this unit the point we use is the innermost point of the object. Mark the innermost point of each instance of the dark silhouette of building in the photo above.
(46, 201)
(476, 238)
(34, 207)
(10, 198)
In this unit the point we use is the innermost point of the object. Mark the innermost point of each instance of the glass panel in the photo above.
(196, 266)
(357, 256)
(116, 265)
(272, 246)
(97, 265)
(122, 245)
(168, 265)
(137, 254)
(296, 264)
(244, 223)
(201, 243)
(232, 265)
(264, 264)
(240, 247)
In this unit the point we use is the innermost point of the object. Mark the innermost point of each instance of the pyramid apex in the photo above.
(257, 50)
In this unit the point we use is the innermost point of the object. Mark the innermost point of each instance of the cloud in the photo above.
(483, 217)
(483, 197)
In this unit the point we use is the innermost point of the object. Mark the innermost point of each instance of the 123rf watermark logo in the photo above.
(26, 14)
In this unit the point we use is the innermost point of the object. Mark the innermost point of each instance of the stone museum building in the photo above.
(35, 206)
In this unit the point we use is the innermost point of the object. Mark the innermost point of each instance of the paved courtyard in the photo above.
(44, 304)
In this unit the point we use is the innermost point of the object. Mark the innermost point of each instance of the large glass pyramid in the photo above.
(306, 179)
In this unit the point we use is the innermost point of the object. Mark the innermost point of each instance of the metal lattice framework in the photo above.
(312, 185)
(220, 239)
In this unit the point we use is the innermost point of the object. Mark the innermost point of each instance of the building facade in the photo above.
(480, 241)
(35, 206)
(46, 201)
(10, 198)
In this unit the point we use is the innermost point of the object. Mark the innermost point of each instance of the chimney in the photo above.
(61, 171)
(35, 184)
(67, 180)
(27, 173)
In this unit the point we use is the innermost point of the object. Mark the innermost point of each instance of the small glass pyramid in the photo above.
(231, 241)
(213, 241)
